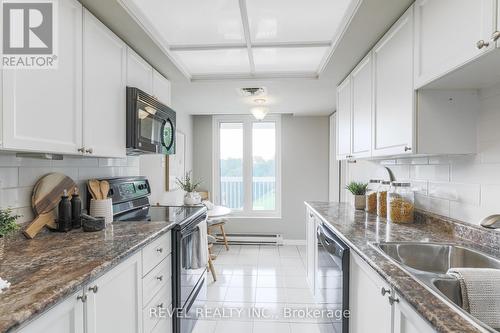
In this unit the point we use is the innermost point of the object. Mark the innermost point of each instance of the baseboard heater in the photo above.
(255, 239)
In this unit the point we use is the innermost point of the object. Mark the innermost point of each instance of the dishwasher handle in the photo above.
(331, 243)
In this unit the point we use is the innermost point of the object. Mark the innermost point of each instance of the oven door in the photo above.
(191, 271)
(155, 130)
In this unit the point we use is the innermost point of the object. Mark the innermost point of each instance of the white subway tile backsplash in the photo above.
(400, 172)
(433, 205)
(9, 177)
(16, 197)
(416, 160)
(430, 172)
(29, 176)
(489, 152)
(420, 186)
(466, 193)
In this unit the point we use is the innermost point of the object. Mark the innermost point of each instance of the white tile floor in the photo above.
(261, 285)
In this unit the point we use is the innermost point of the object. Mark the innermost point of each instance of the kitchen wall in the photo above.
(304, 172)
(466, 188)
(19, 175)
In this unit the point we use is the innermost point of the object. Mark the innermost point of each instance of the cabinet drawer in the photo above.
(155, 252)
(159, 277)
(152, 314)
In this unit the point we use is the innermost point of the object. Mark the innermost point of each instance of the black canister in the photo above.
(64, 220)
(76, 210)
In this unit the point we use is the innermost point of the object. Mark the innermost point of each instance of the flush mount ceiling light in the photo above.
(260, 101)
(259, 112)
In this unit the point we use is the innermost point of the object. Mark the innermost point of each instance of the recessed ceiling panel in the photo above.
(288, 59)
(222, 61)
(294, 20)
(194, 22)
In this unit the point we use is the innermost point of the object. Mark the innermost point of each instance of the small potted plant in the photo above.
(359, 191)
(189, 186)
(8, 225)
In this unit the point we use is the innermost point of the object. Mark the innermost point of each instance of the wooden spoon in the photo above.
(94, 189)
(104, 189)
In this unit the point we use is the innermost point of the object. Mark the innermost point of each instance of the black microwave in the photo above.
(150, 125)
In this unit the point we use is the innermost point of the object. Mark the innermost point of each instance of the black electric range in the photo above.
(130, 197)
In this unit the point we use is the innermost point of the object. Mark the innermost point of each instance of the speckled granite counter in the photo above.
(358, 229)
(44, 270)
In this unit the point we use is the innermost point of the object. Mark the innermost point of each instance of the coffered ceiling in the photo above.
(231, 39)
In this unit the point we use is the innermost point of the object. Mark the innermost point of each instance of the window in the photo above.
(247, 165)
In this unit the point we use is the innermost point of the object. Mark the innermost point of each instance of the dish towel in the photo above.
(4, 284)
(199, 257)
(480, 288)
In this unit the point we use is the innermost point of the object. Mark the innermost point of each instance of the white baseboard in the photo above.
(294, 242)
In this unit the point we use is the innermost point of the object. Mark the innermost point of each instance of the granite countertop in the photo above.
(358, 229)
(44, 270)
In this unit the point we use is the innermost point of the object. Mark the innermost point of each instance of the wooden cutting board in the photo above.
(46, 196)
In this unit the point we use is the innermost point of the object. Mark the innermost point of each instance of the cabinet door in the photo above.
(42, 109)
(407, 320)
(139, 72)
(312, 249)
(344, 107)
(104, 77)
(368, 308)
(161, 88)
(446, 34)
(114, 302)
(394, 94)
(65, 317)
(362, 104)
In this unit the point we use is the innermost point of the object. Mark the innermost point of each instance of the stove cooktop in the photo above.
(170, 214)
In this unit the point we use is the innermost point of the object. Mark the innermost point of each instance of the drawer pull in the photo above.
(82, 298)
(159, 278)
(94, 289)
(384, 291)
(159, 250)
(393, 300)
(160, 306)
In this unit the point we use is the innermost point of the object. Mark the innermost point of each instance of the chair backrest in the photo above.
(205, 195)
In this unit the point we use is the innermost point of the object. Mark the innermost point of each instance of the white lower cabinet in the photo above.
(125, 299)
(312, 249)
(65, 317)
(114, 301)
(376, 307)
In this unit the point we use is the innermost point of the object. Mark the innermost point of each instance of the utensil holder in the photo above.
(102, 208)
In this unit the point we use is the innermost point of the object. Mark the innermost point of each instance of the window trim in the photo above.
(247, 121)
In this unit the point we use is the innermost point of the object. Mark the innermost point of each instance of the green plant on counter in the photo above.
(357, 188)
(8, 223)
(187, 183)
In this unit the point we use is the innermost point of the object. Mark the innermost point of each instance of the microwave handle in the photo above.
(172, 133)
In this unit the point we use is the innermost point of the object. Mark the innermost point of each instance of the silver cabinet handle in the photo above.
(160, 306)
(384, 291)
(495, 36)
(482, 43)
(89, 151)
(393, 300)
(159, 278)
(82, 298)
(159, 250)
(407, 148)
(94, 289)
(81, 150)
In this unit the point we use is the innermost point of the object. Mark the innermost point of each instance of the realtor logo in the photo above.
(29, 34)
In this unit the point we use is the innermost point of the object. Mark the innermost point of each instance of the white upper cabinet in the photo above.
(114, 302)
(344, 107)
(104, 90)
(42, 109)
(161, 88)
(394, 93)
(362, 104)
(139, 72)
(447, 33)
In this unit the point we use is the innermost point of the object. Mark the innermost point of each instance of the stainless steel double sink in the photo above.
(429, 263)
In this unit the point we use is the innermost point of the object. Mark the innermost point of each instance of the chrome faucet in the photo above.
(491, 222)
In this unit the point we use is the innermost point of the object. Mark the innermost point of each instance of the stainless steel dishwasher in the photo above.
(333, 277)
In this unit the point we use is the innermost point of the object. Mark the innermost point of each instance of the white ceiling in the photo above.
(301, 96)
(247, 38)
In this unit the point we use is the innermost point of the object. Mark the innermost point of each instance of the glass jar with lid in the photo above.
(382, 198)
(371, 196)
(400, 203)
